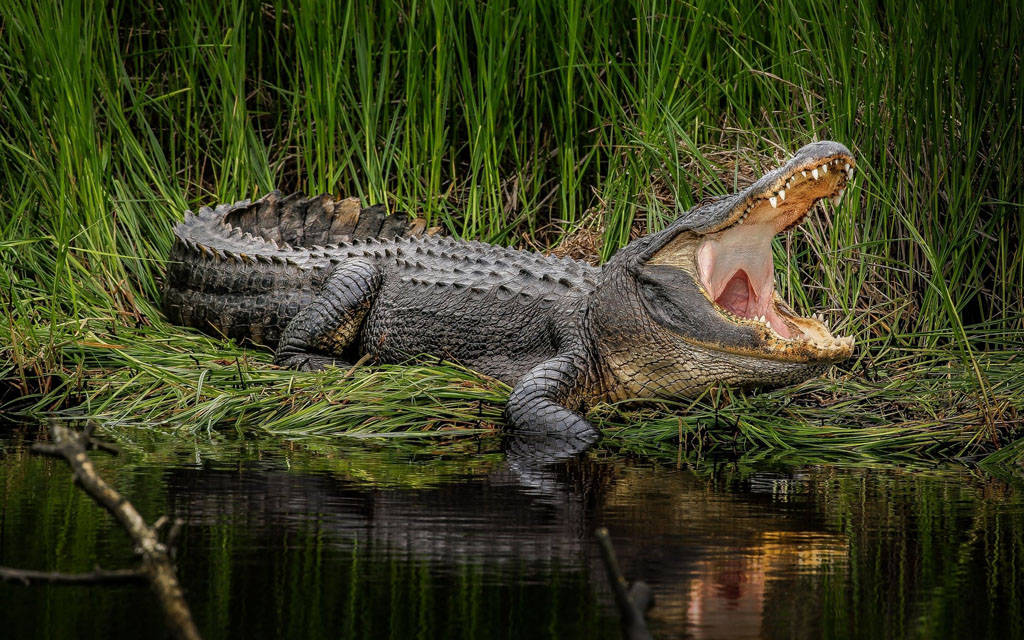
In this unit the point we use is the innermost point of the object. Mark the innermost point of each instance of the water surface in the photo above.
(329, 540)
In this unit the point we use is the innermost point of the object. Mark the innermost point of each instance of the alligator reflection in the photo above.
(715, 561)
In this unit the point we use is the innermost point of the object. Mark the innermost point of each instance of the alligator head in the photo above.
(702, 306)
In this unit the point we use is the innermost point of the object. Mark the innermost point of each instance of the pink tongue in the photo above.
(738, 297)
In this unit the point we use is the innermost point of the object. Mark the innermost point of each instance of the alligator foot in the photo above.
(331, 322)
(312, 362)
(543, 428)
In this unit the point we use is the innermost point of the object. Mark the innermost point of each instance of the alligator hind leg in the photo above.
(316, 337)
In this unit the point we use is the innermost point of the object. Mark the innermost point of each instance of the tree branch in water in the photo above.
(116, 576)
(154, 556)
(633, 601)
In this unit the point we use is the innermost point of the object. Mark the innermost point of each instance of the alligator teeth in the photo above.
(774, 201)
(804, 174)
(847, 167)
(849, 172)
(836, 199)
(782, 194)
(814, 173)
(824, 168)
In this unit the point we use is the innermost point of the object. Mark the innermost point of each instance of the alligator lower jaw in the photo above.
(736, 269)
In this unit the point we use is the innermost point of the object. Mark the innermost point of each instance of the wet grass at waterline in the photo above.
(917, 408)
(536, 124)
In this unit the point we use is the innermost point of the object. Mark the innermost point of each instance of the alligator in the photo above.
(667, 316)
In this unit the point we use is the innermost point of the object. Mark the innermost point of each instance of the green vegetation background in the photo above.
(568, 125)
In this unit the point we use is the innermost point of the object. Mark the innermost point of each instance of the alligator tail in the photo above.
(243, 270)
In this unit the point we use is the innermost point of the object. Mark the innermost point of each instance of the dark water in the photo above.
(347, 541)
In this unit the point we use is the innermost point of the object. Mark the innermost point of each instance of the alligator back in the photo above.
(245, 270)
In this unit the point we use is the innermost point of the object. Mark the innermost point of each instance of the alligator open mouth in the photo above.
(735, 267)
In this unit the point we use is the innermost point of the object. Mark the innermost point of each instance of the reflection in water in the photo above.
(727, 593)
(741, 549)
(357, 543)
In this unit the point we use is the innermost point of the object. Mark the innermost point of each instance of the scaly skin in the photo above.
(562, 333)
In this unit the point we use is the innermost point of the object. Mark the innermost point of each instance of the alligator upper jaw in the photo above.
(735, 267)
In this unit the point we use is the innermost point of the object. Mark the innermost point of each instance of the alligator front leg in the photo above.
(543, 425)
(316, 337)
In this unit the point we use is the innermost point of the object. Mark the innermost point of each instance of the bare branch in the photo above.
(116, 576)
(631, 602)
(172, 535)
(155, 559)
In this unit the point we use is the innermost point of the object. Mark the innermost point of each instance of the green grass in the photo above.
(536, 124)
